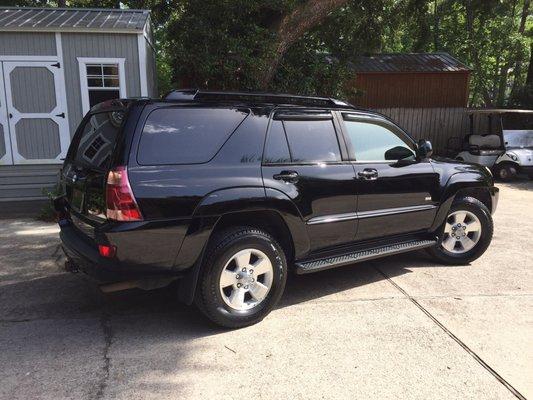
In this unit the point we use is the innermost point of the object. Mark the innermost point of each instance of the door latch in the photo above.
(62, 115)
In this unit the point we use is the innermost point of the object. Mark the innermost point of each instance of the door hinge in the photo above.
(62, 115)
(57, 65)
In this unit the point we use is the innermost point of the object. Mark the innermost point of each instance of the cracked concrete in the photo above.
(341, 334)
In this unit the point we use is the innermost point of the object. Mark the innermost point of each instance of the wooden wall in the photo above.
(414, 90)
(435, 124)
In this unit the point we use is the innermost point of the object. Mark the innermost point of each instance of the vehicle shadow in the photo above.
(524, 184)
(49, 317)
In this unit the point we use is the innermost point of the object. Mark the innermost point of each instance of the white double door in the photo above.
(33, 113)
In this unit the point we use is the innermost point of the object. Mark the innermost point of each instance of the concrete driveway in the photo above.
(402, 327)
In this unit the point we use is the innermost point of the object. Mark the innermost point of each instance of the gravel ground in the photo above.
(401, 327)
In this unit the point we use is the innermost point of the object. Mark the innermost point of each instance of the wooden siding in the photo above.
(151, 71)
(413, 90)
(27, 44)
(434, 124)
(97, 45)
(27, 182)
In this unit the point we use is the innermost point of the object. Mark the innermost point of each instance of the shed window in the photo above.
(101, 79)
(103, 82)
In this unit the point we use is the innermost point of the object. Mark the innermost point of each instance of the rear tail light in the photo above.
(120, 202)
(107, 251)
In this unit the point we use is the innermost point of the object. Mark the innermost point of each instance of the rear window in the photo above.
(186, 135)
(94, 145)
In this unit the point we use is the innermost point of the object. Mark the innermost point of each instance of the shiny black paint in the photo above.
(182, 204)
(397, 184)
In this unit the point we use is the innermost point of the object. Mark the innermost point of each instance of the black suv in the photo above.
(225, 193)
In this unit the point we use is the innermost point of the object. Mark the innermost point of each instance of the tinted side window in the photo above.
(312, 140)
(370, 141)
(186, 135)
(276, 148)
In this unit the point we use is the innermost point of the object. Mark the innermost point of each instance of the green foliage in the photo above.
(47, 212)
(228, 44)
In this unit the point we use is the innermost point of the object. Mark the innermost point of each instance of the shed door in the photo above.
(5, 142)
(36, 107)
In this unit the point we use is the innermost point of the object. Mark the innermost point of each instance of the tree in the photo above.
(290, 28)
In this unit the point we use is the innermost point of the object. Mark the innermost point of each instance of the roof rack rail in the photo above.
(194, 94)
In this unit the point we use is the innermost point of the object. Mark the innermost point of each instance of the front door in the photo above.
(303, 160)
(397, 193)
(36, 110)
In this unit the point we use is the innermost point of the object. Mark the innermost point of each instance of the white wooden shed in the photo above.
(55, 63)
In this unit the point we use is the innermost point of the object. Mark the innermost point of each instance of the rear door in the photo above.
(87, 164)
(396, 191)
(303, 158)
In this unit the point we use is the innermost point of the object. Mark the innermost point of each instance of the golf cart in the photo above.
(499, 139)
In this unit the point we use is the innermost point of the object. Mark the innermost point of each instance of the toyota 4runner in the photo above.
(225, 193)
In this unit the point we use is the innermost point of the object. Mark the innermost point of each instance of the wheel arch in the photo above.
(269, 210)
(464, 184)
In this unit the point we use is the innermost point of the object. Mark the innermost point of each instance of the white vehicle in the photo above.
(506, 147)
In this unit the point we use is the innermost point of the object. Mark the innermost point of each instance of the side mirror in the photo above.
(398, 153)
(425, 149)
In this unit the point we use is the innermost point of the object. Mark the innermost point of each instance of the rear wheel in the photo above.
(242, 278)
(465, 234)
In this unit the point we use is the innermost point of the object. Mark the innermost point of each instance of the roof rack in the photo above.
(195, 95)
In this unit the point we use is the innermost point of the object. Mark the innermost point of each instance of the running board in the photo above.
(305, 267)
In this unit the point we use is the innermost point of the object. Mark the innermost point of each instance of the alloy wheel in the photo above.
(462, 232)
(246, 279)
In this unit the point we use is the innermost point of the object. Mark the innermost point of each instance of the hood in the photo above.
(523, 156)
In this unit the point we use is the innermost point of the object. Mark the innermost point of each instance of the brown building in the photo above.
(415, 80)
(425, 93)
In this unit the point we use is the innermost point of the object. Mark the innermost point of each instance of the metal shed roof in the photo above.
(72, 19)
(409, 62)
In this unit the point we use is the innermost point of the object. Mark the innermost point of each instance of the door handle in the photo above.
(287, 176)
(369, 174)
(62, 115)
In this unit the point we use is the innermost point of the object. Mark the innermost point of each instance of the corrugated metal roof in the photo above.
(71, 19)
(409, 62)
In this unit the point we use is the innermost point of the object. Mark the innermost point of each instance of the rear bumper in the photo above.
(83, 253)
(494, 195)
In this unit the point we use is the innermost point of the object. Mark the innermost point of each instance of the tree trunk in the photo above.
(291, 28)
(517, 71)
(529, 78)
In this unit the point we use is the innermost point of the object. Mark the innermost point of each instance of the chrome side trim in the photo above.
(368, 214)
(398, 210)
(332, 218)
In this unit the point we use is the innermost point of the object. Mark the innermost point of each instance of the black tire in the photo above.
(487, 228)
(221, 249)
(506, 171)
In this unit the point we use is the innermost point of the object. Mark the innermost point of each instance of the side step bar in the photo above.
(305, 267)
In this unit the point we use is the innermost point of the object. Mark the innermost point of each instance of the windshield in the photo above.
(518, 139)
(95, 141)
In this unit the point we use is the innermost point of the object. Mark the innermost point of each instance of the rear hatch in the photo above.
(87, 164)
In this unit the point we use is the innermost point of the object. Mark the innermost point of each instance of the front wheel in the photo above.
(466, 233)
(242, 278)
(506, 172)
